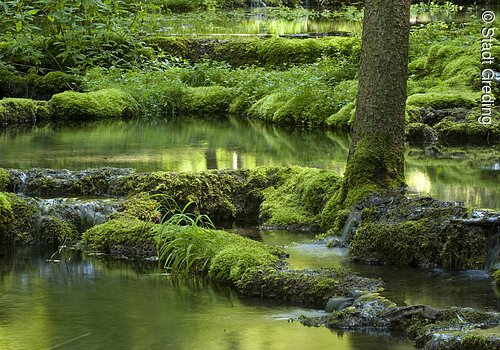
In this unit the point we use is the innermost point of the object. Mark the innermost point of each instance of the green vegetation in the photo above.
(418, 232)
(18, 218)
(125, 235)
(102, 104)
(14, 111)
(300, 199)
(4, 179)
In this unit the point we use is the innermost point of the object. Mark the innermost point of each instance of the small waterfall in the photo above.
(83, 214)
(493, 250)
(64, 183)
(257, 3)
(351, 222)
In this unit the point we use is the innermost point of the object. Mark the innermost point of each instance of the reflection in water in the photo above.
(84, 303)
(196, 144)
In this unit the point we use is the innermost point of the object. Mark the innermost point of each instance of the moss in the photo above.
(4, 179)
(420, 132)
(126, 235)
(271, 52)
(496, 277)
(55, 230)
(102, 104)
(232, 262)
(141, 206)
(15, 111)
(309, 287)
(40, 87)
(300, 198)
(344, 118)
(468, 130)
(18, 219)
(443, 100)
(207, 100)
(424, 242)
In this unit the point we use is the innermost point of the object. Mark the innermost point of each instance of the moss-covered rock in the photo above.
(101, 104)
(300, 199)
(126, 235)
(4, 179)
(53, 230)
(141, 206)
(18, 218)
(419, 132)
(419, 232)
(47, 182)
(307, 287)
(270, 52)
(232, 262)
(18, 111)
(39, 87)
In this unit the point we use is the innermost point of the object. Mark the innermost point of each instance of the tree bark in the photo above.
(376, 155)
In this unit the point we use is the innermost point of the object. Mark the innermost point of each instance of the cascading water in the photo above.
(83, 214)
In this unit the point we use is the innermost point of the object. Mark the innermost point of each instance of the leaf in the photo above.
(19, 26)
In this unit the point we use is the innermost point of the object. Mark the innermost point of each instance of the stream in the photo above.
(85, 302)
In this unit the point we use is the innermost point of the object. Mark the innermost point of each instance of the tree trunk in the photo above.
(376, 155)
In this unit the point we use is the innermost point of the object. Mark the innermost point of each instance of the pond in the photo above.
(86, 303)
(194, 144)
(283, 21)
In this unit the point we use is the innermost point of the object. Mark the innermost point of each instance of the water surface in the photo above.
(85, 303)
(195, 145)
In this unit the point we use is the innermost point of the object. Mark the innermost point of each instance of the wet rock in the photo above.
(338, 304)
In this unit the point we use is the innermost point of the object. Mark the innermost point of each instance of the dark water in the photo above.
(85, 303)
(195, 144)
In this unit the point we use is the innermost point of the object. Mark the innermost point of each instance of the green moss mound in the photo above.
(444, 100)
(4, 179)
(300, 198)
(126, 235)
(102, 104)
(14, 111)
(39, 87)
(18, 218)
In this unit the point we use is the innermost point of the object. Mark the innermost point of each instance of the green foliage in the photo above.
(72, 35)
(102, 104)
(186, 243)
(496, 277)
(189, 243)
